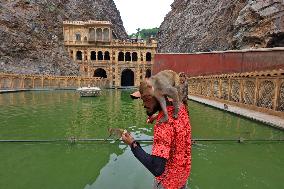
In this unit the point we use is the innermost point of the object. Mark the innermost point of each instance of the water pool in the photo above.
(105, 165)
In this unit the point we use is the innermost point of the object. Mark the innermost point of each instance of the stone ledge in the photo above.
(271, 120)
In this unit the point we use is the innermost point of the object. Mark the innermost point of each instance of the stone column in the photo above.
(229, 89)
(241, 90)
(33, 81)
(220, 89)
(277, 94)
(256, 92)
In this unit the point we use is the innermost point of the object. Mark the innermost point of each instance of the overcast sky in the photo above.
(142, 14)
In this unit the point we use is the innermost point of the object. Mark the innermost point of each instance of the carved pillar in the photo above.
(22, 83)
(103, 34)
(277, 94)
(220, 89)
(74, 54)
(109, 34)
(241, 90)
(33, 81)
(95, 34)
(256, 91)
(42, 82)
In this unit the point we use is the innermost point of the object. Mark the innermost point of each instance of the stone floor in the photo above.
(254, 115)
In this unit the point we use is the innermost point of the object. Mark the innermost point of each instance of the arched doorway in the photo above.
(93, 55)
(148, 57)
(127, 56)
(148, 73)
(120, 56)
(107, 57)
(79, 55)
(127, 77)
(134, 56)
(100, 55)
(100, 73)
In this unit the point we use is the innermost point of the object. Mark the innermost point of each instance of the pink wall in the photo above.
(221, 62)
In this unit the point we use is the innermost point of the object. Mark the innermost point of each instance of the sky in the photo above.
(142, 14)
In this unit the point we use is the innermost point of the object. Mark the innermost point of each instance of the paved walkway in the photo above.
(254, 115)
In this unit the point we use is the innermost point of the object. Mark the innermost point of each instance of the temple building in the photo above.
(95, 47)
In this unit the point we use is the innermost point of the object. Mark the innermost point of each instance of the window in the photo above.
(78, 37)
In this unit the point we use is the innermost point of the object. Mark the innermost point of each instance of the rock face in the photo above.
(31, 33)
(208, 25)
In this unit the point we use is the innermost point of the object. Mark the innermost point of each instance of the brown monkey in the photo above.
(226, 107)
(164, 84)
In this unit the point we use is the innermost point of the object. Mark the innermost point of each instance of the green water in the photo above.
(107, 165)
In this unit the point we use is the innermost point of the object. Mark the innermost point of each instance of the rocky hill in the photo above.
(32, 38)
(208, 25)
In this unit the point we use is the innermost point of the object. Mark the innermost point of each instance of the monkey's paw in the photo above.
(163, 119)
(175, 116)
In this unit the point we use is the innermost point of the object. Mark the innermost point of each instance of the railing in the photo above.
(113, 43)
(261, 91)
(15, 81)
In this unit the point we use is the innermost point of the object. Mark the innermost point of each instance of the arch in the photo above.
(16, 82)
(93, 55)
(148, 56)
(134, 56)
(100, 55)
(100, 73)
(37, 83)
(148, 73)
(107, 57)
(120, 56)
(78, 55)
(127, 56)
(99, 34)
(92, 34)
(127, 77)
(78, 36)
(106, 34)
(85, 38)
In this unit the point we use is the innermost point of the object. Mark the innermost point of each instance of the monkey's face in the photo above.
(151, 104)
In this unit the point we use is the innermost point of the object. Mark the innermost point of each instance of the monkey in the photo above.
(165, 84)
(226, 107)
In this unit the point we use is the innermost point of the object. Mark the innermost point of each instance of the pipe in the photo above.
(73, 140)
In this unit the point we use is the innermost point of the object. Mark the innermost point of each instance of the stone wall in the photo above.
(31, 33)
(210, 25)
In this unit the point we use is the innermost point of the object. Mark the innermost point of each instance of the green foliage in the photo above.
(145, 33)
